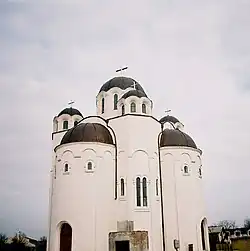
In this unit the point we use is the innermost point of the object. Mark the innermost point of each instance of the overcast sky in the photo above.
(190, 56)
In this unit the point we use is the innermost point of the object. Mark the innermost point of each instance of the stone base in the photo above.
(138, 240)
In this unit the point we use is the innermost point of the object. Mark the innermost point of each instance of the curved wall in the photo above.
(82, 196)
(183, 196)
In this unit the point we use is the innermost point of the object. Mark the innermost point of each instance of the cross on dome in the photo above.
(70, 103)
(121, 69)
(134, 85)
(168, 111)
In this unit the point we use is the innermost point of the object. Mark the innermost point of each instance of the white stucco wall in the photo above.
(58, 121)
(109, 111)
(138, 158)
(183, 197)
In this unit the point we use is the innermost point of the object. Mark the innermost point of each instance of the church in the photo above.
(123, 180)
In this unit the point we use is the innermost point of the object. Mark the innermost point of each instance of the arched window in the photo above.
(133, 107)
(115, 101)
(185, 169)
(75, 123)
(204, 234)
(65, 124)
(66, 167)
(138, 192)
(65, 237)
(123, 109)
(122, 187)
(56, 126)
(144, 192)
(157, 187)
(90, 165)
(103, 101)
(143, 107)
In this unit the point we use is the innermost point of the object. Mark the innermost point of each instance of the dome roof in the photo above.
(175, 137)
(122, 83)
(136, 93)
(169, 119)
(70, 111)
(88, 132)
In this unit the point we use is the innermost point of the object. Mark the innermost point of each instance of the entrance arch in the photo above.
(65, 237)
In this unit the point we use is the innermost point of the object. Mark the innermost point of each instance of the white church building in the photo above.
(122, 180)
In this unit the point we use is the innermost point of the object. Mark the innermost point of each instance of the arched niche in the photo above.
(65, 237)
(204, 235)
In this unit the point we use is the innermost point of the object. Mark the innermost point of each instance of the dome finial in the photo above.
(121, 69)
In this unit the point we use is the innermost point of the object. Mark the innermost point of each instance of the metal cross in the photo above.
(168, 111)
(122, 69)
(71, 103)
(134, 85)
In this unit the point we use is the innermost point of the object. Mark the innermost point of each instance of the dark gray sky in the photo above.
(190, 56)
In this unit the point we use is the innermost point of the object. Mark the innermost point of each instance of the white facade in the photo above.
(101, 199)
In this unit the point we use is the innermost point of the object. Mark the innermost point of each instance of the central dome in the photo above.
(122, 83)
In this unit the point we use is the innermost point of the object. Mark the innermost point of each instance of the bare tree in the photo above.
(3, 241)
(19, 242)
(227, 224)
(247, 223)
(42, 243)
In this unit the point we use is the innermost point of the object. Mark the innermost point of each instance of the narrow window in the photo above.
(122, 187)
(143, 108)
(115, 101)
(65, 125)
(200, 172)
(144, 192)
(123, 109)
(185, 169)
(203, 236)
(157, 187)
(133, 107)
(75, 123)
(90, 166)
(138, 192)
(56, 126)
(66, 168)
(103, 105)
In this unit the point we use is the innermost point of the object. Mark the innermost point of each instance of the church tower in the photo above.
(122, 180)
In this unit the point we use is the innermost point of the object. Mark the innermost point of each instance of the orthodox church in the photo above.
(122, 180)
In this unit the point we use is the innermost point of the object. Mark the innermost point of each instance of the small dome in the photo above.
(88, 132)
(136, 93)
(122, 83)
(168, 118)
(70, 111)
(175, 137)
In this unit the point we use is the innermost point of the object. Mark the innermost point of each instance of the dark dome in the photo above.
(136, 93)
(169, 119)
(88, 132)
(175, 137)
(122, 83)
(70, 111)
